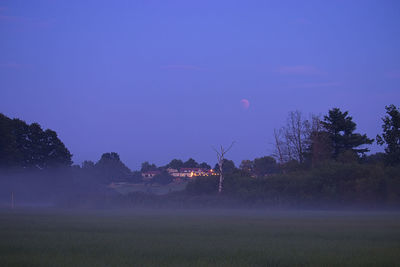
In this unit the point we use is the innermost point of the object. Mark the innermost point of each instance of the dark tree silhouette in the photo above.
(190, 163)
(28, 146)
(110, 168)
(175, 164)
(163, 178)
(391, 135)
(247, 166)
(340, 128)
(204, 165)
(265, 166)
(146, 166)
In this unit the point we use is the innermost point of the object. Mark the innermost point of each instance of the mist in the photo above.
(199, 133)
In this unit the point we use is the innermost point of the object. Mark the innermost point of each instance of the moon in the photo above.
(245, 103)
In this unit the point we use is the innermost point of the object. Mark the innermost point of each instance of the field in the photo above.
(154, 189)
(198, 238)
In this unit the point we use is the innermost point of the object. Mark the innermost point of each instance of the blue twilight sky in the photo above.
(157, 80)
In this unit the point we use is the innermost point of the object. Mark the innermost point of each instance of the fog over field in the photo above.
(199, 133)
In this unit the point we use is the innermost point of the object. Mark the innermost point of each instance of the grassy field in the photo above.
(154, 189)
(198, 238)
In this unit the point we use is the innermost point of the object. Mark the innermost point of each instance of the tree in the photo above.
(146, 166)
(291, 141)
(391, 135)
(228, 167)
(204, 165)
(246, 166)
(28, 146)
(110, 168)
(55, 152)
(9, 155)
(265, 166)
(296, 134)
(88, 164)
(35, 151)
(376, 158)
(20, 130)
(340, 128)
(221, 160)
(280, 147)
(190, 163)
(319, 147)
(163, 178)
(175, 164)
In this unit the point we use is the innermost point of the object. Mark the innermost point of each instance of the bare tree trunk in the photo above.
(221, 177)
(296, 135)
(221, 157)
(278, 146)
(292, 141)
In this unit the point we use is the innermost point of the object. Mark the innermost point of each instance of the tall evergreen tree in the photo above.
(340, 128)
(391, 135)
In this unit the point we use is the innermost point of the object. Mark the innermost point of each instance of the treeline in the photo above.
(318, 162)
(36, 166)
(175, 164)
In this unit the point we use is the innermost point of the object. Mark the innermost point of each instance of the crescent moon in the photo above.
(245, 103)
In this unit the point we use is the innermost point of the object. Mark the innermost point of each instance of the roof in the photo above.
(152, 172)
(194, 169)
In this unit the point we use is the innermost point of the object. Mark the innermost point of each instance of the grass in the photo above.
(154, 189)
(198, 238)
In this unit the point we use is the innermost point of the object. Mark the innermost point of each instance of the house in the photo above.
(149, 174)
(180, 174)
(173, 172)
(191, 172)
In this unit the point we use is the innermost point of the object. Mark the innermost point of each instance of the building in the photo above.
(190, 172)
(150, 174)
(181, 174)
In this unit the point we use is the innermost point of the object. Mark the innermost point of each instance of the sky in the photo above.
(157, 80)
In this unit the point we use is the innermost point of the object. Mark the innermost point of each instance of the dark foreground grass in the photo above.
(198, 238)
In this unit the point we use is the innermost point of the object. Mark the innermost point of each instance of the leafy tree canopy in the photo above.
(204, 165)
(265, 165)
(190, 163)
(163, 178)
(146, 166)
(28, 146)
(175, 164)
(391, 135)
(111, 168)
(247, 166)
(88, 164)
(228, 166)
